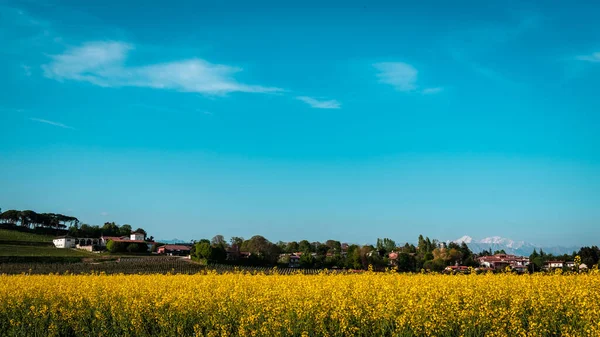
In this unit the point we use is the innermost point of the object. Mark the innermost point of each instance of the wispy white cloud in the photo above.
(104, 213)
(431, 91)
(401, 75)
(594, 57)
(319, 104)
(45, 121)
(103, 63)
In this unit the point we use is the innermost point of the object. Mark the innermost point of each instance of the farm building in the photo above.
(64, 242)
(72, 242)
(501, 261)
(179, 250)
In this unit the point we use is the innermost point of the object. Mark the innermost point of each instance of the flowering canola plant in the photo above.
(241, 304)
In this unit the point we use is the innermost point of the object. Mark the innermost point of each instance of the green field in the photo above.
(11, 235)
(23, 250)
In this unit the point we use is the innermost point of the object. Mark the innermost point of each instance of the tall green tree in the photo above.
(305, 246)
(218, 240)
(236, 241)
(125, 230)
(203, 250)
(385, 245)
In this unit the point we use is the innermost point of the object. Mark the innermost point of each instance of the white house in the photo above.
(64, 242)
(137, 236)
(553, 264)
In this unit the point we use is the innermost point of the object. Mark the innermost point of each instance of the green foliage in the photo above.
(13, 235)
(262, 250)
(218, 240)
(292, 247)
(406, 262)
(31, 219)
(203, 250)
(133, 248)
(41, 251)
(307, 260)
(305, 247)
(140, 230)
(354, 260)
(437, 265)
(125, 230)
(589, 255)
(108, 229)
(428, 256)
(116, 246)
(236, 240)
(334, 246)
(385, 245)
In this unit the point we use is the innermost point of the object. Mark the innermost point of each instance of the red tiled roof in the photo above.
(175, 247)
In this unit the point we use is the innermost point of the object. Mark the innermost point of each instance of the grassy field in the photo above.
(22, 250)
(11, 235)
(239, 304)
(110, 264)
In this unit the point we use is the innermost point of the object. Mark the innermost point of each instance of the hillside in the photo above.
(40, 251)
(12, 236)
(15, 243)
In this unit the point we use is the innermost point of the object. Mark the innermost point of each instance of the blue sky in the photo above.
(350, 120)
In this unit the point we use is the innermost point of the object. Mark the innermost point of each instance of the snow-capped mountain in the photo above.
(172, 241)
(494, 243)
(466, 239)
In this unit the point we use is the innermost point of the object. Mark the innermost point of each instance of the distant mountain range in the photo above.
(172, 241)
(494, 243)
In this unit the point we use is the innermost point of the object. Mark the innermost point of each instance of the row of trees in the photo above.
(31, 219)
(108, 229)
(124, 247)
(428, 254)
(590, 256)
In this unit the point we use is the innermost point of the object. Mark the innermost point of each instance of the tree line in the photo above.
(108, 229)
(31, 219)
(427, 254)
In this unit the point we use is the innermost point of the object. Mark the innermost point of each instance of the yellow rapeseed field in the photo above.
(236, 304)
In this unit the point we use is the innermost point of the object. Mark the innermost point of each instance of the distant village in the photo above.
(426, 255)
(493, 263)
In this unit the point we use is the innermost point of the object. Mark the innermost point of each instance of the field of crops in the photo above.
(134, 265)
(239, 304)
(26, 250)
(12, 235)
(137, 265)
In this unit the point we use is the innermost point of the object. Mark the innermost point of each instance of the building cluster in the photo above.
(93, 244)
(550, 265)
(174, 250)
(497, 262)
(501, 261)
(520, 264)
